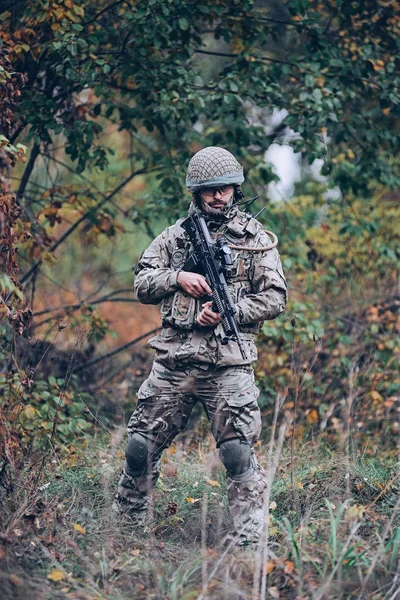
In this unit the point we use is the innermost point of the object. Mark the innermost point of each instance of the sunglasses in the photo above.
(222, 189)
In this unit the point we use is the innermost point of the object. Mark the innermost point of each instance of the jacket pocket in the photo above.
(166, 305)
(182, 310)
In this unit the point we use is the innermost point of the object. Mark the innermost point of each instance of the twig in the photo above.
(45, 352)
(110, 376)
(204, 510)
(96, 419)
(236, 55)
(329, 22)
(75, 307)
(28, 171)
(106, 298)
(74, 226)
(9, 5)
(105, 9)
(323, 591)
(19, 130)
(117, 350)
(295, 379)
(349, 405)
(228, 548)
(273, 461)
(380, 548)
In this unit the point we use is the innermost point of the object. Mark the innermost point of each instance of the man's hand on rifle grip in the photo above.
(194, 284)
(207, 317)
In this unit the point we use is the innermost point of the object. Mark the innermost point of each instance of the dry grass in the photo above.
(338, 536)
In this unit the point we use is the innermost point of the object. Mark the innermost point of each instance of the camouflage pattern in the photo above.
(165, 402)
(257, 285)
(191, 363)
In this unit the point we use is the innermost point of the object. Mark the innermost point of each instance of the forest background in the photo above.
(102, 104)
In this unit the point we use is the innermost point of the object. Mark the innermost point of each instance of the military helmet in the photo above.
(213, 166)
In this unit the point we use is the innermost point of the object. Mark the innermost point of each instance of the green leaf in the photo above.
(183, 23)
(79, 10)
(317, 94)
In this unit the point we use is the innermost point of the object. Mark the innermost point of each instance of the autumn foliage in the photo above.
(101, 106)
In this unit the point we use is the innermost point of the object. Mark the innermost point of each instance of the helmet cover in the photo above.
(213, 166)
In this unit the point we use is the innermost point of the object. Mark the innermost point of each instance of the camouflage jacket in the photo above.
(257, 285)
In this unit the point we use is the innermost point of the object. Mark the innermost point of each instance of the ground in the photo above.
(333, 528)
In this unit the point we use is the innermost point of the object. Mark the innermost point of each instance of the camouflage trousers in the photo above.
(165, 401)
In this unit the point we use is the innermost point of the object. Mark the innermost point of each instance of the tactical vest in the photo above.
(178, 310)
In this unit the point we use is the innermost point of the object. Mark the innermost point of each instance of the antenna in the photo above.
(259, 212)
(247, 203)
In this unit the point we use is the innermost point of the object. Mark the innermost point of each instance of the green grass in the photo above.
(333, 536)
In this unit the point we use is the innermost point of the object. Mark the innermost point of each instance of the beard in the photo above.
(216, 214)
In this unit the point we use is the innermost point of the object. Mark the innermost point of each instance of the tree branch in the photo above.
(117, 350)
(74, 307)
(16, 133)
(277, 21)
(74, 226)
(105, 9)
(234, 55)
(7, 5)
(28, 170)
(329, 22)
(106, 298)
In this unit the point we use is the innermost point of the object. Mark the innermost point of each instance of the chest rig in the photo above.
(179, 309)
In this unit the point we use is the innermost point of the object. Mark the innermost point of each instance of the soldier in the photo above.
(191, 364)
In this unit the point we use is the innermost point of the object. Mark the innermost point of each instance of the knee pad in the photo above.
(236, 457)
(137, 455)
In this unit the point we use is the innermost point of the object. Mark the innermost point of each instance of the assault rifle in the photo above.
(213, 260)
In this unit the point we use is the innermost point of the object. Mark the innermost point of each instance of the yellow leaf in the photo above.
(16, 581)
(274, 530)
(213, 483)
(171, 450)
(269, 567)
(386, 111)
(300, 485)
(79, 528)
(376, 397)
(55, 575)
(29, 411)
(49, 258)
(79, 10)
(192, 500)
(312, 416)
(356, 512)
(289, 566)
